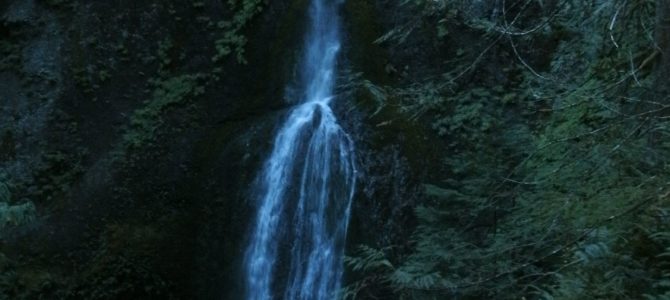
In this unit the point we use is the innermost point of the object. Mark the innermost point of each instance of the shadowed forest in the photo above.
(504, 149)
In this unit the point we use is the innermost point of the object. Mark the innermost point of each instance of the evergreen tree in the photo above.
(559, 185)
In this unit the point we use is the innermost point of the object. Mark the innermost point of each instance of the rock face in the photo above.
(136, 132)
(31, 78)
(135, 146)
(394, 153)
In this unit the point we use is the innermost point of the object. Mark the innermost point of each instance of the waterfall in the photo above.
(306, 185)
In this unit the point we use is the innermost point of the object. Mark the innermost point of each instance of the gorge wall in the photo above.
(131, 132)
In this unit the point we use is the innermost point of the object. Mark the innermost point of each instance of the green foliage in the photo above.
(167, 93)
(662, 286)
(368, 259)
(233, 39)
(164, 59)
(552, 171)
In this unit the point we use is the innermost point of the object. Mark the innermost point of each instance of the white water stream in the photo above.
(306, 185)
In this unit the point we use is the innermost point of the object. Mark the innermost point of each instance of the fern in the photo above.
(550, 173)
(368, 259)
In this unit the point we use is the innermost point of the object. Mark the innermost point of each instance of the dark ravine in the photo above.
(165, 215)
(503, 149)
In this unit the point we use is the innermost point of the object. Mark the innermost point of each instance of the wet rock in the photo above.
(28, 90)
(20, 12)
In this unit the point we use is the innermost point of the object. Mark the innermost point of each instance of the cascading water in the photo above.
(306, 185)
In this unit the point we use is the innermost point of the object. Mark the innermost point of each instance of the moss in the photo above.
(103, 75)
(167, 93)
(165, 47)
(233, 40)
